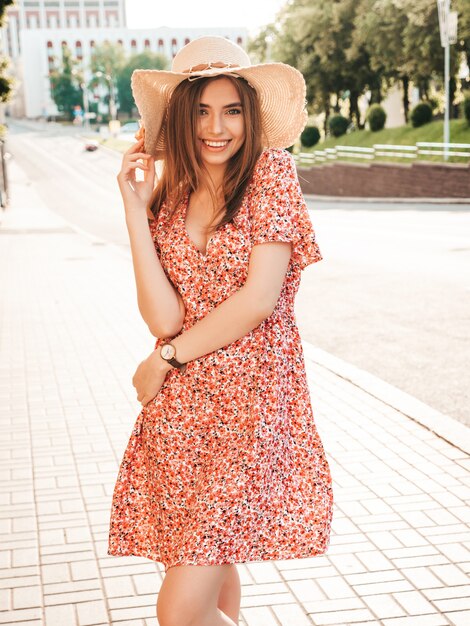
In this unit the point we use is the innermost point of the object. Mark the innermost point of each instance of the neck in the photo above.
(214, 176)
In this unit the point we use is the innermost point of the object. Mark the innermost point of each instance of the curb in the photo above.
(387, 200)
(445, 427)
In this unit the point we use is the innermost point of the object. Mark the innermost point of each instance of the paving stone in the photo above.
(60, 615)
(450, 574)
(459, 618)
(259, 616)
(291, 615)
(414, 603)
(417, 620)
(400, 548)
(73, 597)
(383, 605)
(342, 617)
(128, 602)
(118, 586)
(27, 597)
(91, 613)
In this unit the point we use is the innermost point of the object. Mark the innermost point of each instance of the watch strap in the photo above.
(173, 361)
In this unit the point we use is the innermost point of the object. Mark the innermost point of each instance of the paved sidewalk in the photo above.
(71, 337)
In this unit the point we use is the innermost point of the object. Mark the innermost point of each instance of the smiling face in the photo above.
(221, 125)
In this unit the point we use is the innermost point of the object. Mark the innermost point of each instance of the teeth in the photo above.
(215, 144)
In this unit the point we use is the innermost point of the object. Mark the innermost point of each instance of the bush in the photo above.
(290, 148)
(421, 114)
(338, 125)
(310, 136)
(466, 106)
(376, 117)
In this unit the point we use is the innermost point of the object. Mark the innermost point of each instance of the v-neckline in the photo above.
(185, 205)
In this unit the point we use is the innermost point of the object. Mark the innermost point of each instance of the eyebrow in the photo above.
(226, 106)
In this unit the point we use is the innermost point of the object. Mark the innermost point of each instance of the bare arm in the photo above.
(160, 304)
(232, 319)
(244, 310)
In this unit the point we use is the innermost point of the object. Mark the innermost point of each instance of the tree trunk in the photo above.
(337, 106)
(327, 113)
(406, 102)
(354, 113)
(452, 89)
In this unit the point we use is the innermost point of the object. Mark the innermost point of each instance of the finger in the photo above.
(137, 166)
(140, 155)
(135, 146)
(130, 168)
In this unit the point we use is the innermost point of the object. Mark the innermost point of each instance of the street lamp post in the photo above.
(448, 31)
(86, 106)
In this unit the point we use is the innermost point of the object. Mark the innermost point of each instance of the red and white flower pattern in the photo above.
(225, 464)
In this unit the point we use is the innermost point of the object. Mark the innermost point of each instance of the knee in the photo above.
(179, 613)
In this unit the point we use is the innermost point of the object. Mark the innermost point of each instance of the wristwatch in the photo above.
(168, 352)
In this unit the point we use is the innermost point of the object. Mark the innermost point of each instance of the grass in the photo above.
(403, 135)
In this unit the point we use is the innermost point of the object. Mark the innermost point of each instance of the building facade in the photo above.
(28, 15)
(42, 47)
(36, 31)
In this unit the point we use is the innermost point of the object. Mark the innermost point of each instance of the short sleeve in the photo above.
(278, 209)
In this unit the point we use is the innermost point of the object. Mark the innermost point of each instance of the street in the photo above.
(391, 295)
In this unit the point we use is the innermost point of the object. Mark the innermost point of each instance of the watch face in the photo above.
(168, 351)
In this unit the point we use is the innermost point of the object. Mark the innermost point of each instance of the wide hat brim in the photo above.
(280, 88)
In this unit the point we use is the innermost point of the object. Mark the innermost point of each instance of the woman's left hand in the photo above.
(149, 377)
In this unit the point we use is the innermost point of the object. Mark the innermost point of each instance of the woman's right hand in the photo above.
(136, 194)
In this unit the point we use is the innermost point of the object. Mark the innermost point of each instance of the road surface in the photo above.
(391, 295)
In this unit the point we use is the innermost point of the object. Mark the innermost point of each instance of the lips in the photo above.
(214, 145)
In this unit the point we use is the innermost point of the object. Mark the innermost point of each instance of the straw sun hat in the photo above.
(280, 89)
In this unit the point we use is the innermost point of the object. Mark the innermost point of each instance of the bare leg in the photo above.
(230, 595)
(189, 595)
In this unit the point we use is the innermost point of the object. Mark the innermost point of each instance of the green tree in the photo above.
(463, 45)
(424, 55)
(379, 26)
(6, 82)
(144, 60)
(65, 87)
(317, 39)
(107, 61)
(347, 47)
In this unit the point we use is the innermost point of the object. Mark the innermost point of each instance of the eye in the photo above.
(234, 111)
(202, 111)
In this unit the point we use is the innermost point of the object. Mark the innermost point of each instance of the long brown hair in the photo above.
(183, 169)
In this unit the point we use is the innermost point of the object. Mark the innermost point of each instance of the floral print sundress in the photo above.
(225, 464)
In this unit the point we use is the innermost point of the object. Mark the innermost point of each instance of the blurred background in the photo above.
(384, 165)
(383, 161)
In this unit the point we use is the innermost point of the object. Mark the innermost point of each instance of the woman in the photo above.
(225, 464)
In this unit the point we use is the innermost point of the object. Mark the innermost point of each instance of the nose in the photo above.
(215, 123)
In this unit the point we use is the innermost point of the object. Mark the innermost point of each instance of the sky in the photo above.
(251, 14)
